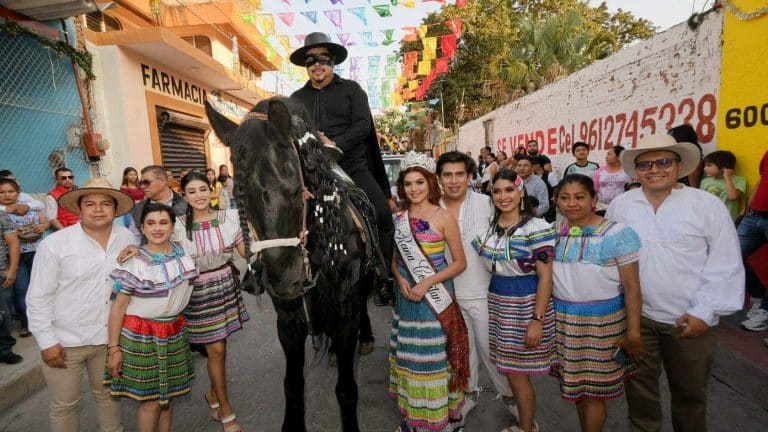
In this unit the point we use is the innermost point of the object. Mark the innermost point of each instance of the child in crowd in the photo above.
(720, 181)
(580, 151)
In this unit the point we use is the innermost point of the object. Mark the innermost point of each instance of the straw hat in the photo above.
(314, 40)
(690, 156)
(98, 185)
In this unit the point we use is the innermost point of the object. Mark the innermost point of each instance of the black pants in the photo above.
(365, 181)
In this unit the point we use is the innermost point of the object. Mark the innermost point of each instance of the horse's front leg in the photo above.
(292, 332)
(345, 342)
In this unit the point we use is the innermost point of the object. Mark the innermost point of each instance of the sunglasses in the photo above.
(661, 163)
(323, 59)
(70, 177)
(146, 182)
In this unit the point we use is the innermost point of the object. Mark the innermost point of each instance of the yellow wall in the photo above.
(743, 108)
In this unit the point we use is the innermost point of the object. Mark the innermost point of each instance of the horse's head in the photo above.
(269, 189)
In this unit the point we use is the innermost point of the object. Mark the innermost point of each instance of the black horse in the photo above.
(288, 196)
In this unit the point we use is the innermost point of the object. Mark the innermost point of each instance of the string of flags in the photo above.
(389, 79)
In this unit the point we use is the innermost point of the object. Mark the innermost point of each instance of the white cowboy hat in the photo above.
(690, 156)
(314, 40)
(69, 201)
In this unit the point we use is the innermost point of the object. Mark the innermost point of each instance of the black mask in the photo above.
(323, 59)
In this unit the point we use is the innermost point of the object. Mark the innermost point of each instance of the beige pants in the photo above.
(64, 385)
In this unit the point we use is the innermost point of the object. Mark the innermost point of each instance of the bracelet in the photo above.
(538, 317)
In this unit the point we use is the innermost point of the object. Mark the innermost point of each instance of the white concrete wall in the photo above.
(121, 111)
(670, 79)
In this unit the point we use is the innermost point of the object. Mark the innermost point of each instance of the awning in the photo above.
(162, 47)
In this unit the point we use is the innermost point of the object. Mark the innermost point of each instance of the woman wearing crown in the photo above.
(518, 250)
(429, 345)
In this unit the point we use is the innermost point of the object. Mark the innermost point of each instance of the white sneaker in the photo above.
(755, 305)
(757, 322)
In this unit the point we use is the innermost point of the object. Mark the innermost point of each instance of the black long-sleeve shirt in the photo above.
(340, 111)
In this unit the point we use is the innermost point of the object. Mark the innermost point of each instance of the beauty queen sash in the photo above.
(440, 301)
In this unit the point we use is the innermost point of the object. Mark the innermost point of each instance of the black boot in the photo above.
(385, 292)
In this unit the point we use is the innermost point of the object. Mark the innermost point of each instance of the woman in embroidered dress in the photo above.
(421, 360)
(148, 349)
(518, 250)
(595, 274)
(216, 309)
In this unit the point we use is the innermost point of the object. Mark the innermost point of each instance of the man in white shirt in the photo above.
(154, 183)
(68, 302)
(474, 212)
(690, 273)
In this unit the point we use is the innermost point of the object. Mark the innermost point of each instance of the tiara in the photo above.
(415, 159)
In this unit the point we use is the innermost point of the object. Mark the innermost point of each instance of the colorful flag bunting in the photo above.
(310, 15)
(382, 10)
(441, 65)
(455, 26)
(267, 23)
(424, 67)
(249, 18)
(448, 45)
(408, 3)
(360, 13)
(368, 39)
(334, 16)
(388, 40)
(285, 42)
(412, 85)
(344, 39)
(300, 38)
(423, 29)
(288, 2)
(286, 18)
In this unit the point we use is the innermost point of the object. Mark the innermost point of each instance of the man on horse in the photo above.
(339, 109)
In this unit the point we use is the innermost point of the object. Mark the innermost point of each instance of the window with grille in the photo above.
(201, 42)
(98, 22)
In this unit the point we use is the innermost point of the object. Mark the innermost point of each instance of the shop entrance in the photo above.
(182, 140)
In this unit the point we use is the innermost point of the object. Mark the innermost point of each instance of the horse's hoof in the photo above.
(366, 347)
(333, 361)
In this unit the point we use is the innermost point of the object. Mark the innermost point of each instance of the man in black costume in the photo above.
(339, 109)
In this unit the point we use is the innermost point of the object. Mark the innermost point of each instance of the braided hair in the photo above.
(192, 176)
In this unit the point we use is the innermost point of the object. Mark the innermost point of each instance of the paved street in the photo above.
(738, 395)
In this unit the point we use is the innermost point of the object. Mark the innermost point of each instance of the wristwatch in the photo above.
(538, 317)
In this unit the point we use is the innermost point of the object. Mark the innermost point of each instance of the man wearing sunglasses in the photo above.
(339, 109)
(154, 183)
(60, 218)
(690, 274)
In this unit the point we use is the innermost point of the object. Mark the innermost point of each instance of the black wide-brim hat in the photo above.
(314, 40)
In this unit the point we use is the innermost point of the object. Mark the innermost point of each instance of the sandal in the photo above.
(215, 414)
(25, 332)
(230, 424)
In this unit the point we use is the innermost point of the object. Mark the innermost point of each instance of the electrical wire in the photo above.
(265, 68)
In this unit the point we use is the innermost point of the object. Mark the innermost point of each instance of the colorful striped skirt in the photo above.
(586, 333)
(157, 364)
(419, 370)
(511, 304)
(216, 308)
